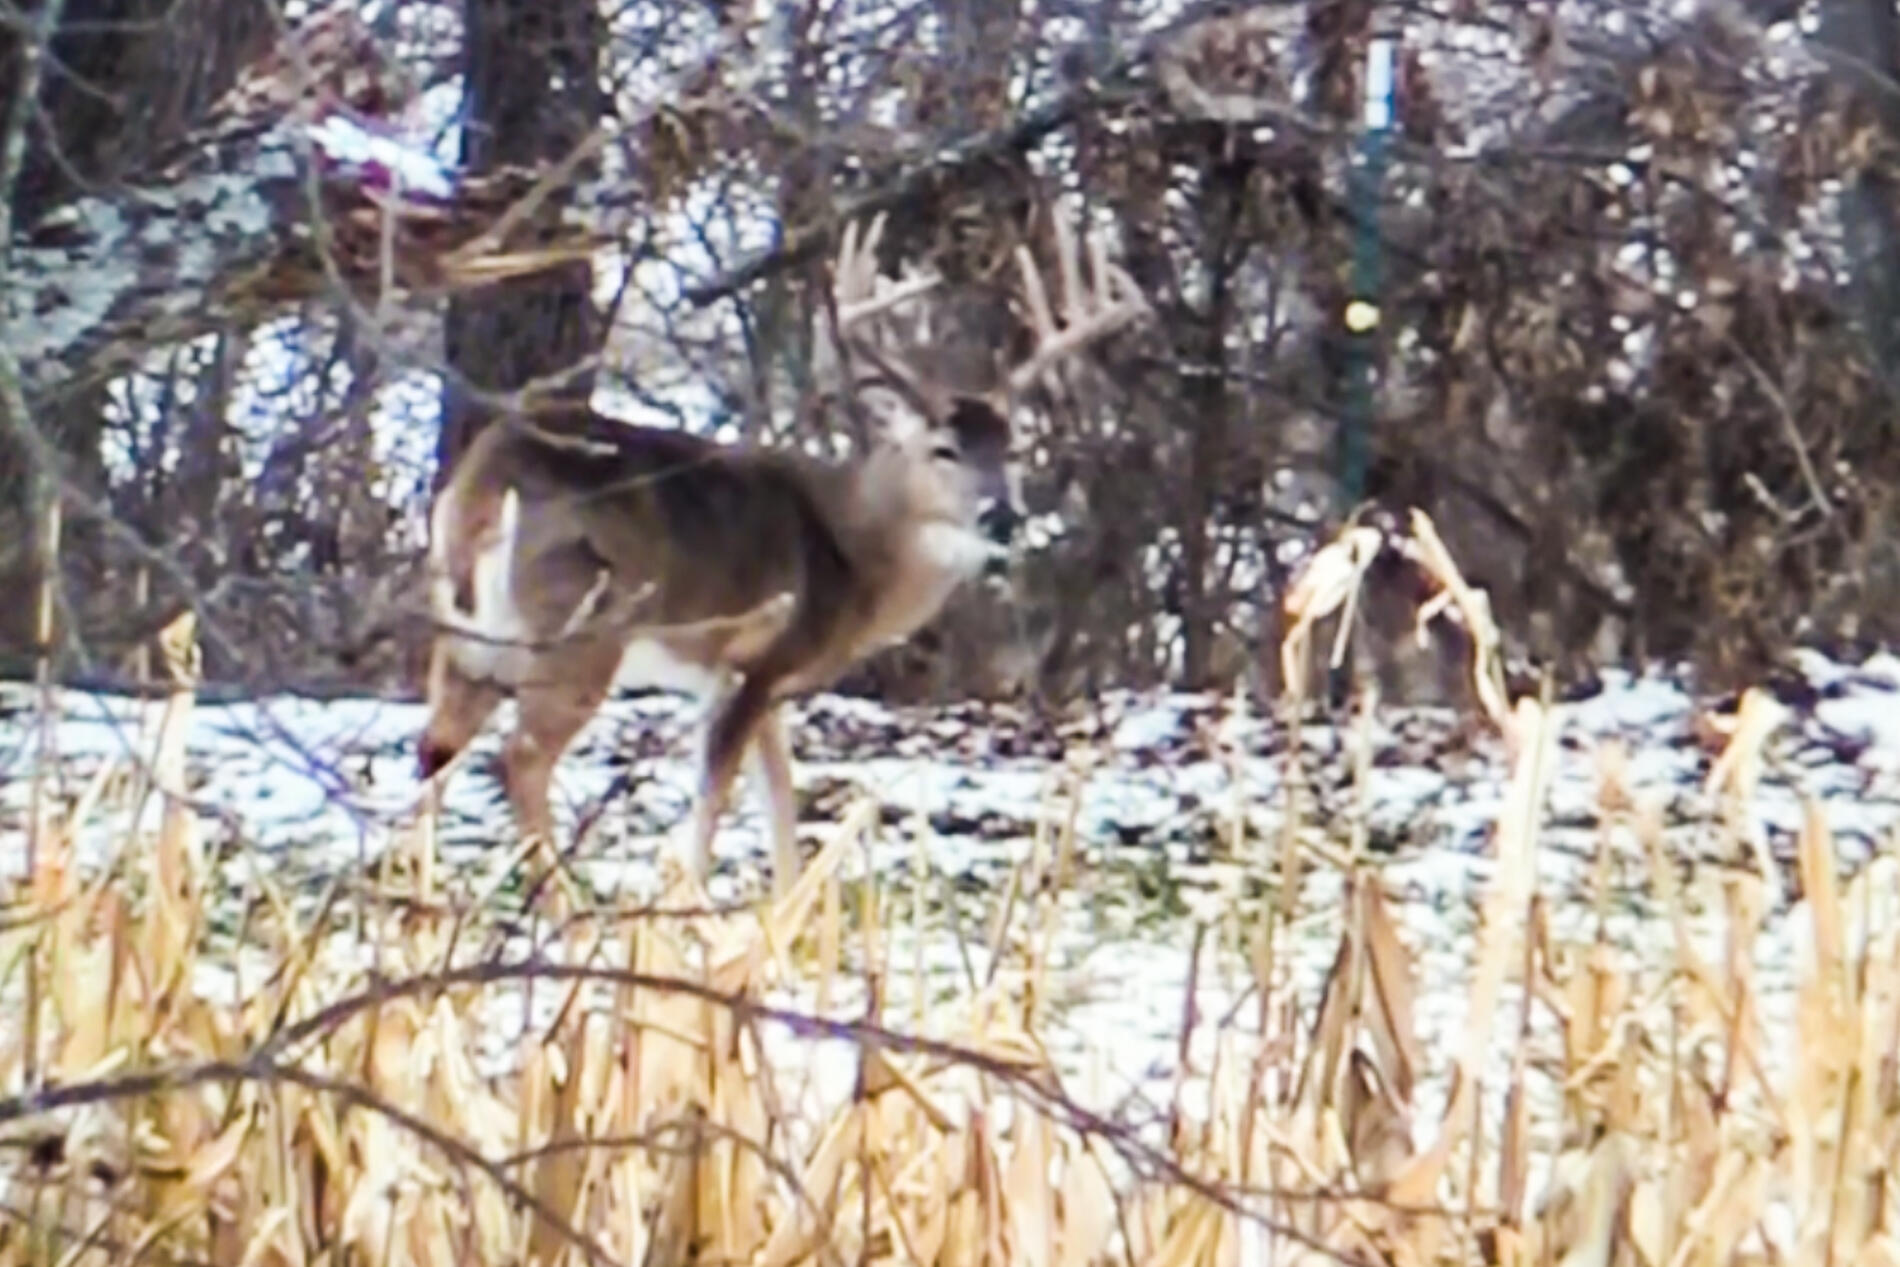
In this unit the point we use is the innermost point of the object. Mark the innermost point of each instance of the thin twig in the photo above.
(1788, 425)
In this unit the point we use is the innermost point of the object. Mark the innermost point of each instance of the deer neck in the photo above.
(907, 562)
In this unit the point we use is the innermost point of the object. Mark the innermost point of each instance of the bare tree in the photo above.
(532, 93)
(166, 61)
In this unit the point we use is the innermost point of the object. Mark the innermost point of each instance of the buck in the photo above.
(564, 564)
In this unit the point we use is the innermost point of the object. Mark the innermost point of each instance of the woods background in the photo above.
(1640, 298)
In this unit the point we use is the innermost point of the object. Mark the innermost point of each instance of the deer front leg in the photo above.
(550, 711)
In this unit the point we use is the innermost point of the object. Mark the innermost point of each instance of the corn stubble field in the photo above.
(422, 1066)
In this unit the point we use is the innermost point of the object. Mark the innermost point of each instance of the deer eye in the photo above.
(945, 453)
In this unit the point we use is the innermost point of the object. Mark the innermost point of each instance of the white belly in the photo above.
(647, 664)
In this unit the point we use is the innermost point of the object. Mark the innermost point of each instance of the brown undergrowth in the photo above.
(412, 1085)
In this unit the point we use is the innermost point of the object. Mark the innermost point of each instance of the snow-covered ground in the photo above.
(1158, 785)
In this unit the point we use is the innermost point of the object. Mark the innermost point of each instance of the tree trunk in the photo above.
(162, 63)
(533, 93)
(1857, 39)
(1209, 400)
(165, 62)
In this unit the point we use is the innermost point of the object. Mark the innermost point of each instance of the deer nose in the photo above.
(998, 520)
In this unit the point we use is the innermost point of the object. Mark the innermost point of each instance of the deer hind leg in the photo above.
(459, 705)
(774, 769)
(734, 726)
(551, 708)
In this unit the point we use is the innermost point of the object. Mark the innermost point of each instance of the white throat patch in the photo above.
(956, 550)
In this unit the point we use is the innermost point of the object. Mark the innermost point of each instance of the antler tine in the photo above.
(858, 311)
(857, 289)
(862, 294)
(1115, 302)
(1070, 261)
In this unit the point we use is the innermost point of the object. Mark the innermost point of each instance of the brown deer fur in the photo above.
(573, 565)
(564, 563)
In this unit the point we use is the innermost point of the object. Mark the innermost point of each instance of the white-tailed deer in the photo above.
(564, 564)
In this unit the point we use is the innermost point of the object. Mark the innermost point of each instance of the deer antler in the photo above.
(863, 295)
(1115, 301)
(1090, 312)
